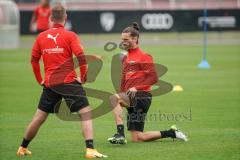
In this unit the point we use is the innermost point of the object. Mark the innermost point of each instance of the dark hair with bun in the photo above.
(136, 26)
(133, 29)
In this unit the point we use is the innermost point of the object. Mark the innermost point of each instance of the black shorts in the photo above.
(73, 94)
(138, 109)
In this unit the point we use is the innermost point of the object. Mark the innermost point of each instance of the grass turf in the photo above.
(213, 96)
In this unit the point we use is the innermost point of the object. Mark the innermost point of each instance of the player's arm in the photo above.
(149, 69)
(35, 58)
(79, 53)
(33, 20)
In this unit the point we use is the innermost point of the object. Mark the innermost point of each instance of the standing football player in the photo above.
(56, 46)
(41, 16)
(138, 76)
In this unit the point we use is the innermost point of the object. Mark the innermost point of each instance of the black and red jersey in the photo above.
(56, 46)
(138, 71)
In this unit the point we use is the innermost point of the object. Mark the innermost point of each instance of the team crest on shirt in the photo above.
(132, 62)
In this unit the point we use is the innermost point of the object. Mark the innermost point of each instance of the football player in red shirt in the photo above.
(138, 76)
(41, 15)
(56, 47)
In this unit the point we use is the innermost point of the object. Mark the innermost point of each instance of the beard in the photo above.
(125, 45)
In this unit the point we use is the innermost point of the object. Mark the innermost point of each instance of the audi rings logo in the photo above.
(157, 21)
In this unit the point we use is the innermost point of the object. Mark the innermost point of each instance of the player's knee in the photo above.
(139, 137)
(84, 109)
(113, 99)
(39, 119)
(134, 140)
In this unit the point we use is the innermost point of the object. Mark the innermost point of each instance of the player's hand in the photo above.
(132, 92)
(78, 79)
(31, 28)
(42, 83)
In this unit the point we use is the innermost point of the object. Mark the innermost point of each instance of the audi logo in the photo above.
(157, 21)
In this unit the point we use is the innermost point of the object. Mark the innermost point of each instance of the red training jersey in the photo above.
(56, 46)
(138, 71)
(42, 17)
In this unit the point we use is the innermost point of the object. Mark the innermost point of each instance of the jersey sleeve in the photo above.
(147, 64)
(35, 57)
(36, 51)
(76, 46)
(148, 67)
(77, 50)
(35, 12)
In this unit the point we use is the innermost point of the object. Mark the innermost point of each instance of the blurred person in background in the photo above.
(41, 16)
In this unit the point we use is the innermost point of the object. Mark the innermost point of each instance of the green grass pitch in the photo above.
(213, 96)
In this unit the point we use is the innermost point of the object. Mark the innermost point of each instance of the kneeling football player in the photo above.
(138, 76)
